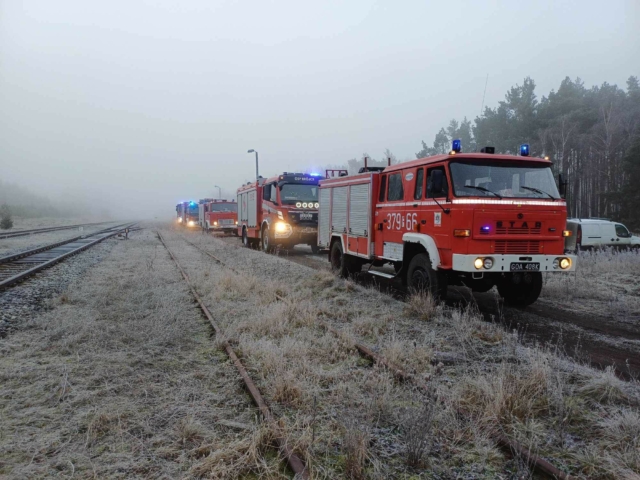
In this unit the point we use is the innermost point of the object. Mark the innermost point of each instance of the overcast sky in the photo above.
(137, 105)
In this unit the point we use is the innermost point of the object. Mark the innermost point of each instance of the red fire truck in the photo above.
(281, 210)
(187, 214)
(221, 216)
(474, 219)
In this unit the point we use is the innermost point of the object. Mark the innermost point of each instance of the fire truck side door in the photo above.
(438, 223)
(393, 213)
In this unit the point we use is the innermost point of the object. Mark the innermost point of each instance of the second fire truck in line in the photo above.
(279, 211)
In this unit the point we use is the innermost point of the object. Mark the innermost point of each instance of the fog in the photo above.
(133, 105)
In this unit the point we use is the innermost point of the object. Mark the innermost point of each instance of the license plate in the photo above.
(308, 230)
(525, 267)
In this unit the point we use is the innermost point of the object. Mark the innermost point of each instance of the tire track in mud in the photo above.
(597, 340)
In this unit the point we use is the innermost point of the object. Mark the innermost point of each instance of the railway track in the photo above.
(35, 231)
(401, 374)
(292, 459)
(17, 267)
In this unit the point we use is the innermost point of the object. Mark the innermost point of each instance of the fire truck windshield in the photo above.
(503, 179)
(223, 207)
(295, 192)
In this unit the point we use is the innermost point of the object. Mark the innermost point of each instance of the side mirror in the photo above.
(437, 182)
(562, 185)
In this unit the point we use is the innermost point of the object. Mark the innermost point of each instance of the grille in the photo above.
(517, 246)
(517, 231)
(227, 221)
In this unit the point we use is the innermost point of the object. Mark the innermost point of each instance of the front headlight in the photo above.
(478, 263)
(179, 220)
(281, 227)
(565, 263)
(191, 223)
(488, 263)
(215, 223)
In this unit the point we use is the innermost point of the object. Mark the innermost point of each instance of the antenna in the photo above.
(484, 94)
(482, 106)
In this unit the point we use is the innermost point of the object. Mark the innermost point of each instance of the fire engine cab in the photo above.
(221, 216)
(474, 219)
(281, 210)
(187, 214)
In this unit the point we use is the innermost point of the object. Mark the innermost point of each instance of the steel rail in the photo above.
(35, 231)
(27, 273)
(513, 446)
(296, 464)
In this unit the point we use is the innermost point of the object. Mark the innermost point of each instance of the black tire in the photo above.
(341, 264)
(315, 249)
(521, 290)
(422, 278)
(267, 241)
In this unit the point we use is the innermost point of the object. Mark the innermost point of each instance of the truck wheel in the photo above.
(422, 278)
(520, 290)
(342, 264)
(315, 249)
(267, 241)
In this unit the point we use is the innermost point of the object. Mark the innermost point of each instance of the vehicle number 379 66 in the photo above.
(398, 221)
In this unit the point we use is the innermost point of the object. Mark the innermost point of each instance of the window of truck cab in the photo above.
(503, 178)
(291, 193)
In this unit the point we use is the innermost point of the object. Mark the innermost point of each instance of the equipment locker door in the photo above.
(391, 216)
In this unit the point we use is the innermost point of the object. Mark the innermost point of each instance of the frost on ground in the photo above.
(121, 380)
(354, 420)
(606, 283)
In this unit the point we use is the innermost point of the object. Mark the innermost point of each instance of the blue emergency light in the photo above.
(457, 146)
(524, 150)
(315, 174)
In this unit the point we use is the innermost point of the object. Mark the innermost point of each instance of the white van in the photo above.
(598, 233)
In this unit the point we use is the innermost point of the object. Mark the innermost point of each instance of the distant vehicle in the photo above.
(187, 214)
(589, 233)
(221, 216)
(474, 219)
(202, 209)
(281, 210)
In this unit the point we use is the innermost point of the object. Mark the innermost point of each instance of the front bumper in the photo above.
(298, 234)
(502, 263)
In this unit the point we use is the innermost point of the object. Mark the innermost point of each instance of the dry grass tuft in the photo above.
(604, 387)
(510, 393)
(355, 444)
(421, 305)
(417, 426)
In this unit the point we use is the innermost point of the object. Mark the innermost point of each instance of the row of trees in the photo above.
(591, 134)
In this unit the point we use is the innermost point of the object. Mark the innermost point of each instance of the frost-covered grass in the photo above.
(352, 417)
(606, 282)
(121, 379)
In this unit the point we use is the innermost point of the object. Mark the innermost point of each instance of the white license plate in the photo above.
(525, 267)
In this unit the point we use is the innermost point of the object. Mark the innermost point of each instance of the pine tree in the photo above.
(6, 222)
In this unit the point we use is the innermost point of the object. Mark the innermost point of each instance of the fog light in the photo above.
(298, 204)
(304, 205)
(488, 263)
(565, 263)
(317, 205)
(191, 223)
(281, 227)
(478, 263)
